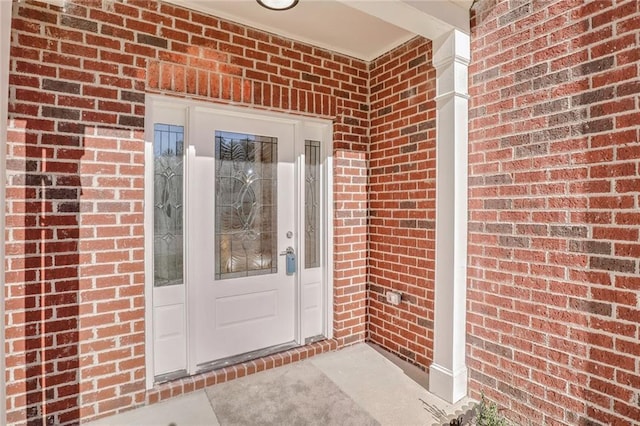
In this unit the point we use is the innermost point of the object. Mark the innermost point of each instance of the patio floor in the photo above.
(358, 385)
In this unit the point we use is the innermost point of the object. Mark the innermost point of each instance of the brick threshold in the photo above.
(185, 385)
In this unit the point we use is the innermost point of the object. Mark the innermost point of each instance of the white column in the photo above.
(448, 372)
(5, 43)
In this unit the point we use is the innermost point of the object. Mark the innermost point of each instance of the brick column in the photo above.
(448, 373)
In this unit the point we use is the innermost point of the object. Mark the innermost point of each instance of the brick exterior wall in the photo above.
(75, 282)
(402, 200)
(553, 309)
(554, 193)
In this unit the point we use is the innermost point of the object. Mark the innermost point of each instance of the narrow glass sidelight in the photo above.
(312, 204)
(246, 205)
(168, 166)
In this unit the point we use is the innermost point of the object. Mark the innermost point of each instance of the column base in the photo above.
(446, 384)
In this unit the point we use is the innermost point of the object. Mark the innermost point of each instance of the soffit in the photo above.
(364, 29)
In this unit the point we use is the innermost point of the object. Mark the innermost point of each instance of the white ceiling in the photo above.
(364, 29)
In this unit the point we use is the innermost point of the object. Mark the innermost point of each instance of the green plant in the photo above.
(487, 414)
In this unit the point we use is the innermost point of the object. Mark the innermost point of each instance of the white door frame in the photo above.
(5, 37)
(320, 129)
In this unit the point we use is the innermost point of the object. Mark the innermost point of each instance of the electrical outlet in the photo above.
(394, 297)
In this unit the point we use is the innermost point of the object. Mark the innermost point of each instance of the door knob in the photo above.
(289, 250)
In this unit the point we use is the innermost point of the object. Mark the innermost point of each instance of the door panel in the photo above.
(243, 299)
(164, 205)
(169, 331)
(312, 259)
(245, 308)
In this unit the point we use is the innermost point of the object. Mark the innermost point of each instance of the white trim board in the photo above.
(448, 372)
(5, 44)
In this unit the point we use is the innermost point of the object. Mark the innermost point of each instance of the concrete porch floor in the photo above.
(390, 390)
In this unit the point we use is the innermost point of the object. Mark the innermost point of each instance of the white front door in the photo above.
(241, 216)
(227, 191)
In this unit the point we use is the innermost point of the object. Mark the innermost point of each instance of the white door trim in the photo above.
(148, 247)
(327, 222)
(322, 127)
(5, 37)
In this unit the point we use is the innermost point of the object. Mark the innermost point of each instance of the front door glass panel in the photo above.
(168, 168)
(246, 205)
(312, 204)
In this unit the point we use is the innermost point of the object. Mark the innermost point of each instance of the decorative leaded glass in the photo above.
(246, 214)
(312, 204)
(168, 165)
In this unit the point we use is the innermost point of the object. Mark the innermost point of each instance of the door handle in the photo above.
(289, 250)
(290, 260)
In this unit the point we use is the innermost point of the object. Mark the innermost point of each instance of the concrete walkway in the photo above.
(391, 391)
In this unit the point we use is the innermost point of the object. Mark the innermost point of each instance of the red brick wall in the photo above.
(402, 200)
(553, 317)
(75, 283)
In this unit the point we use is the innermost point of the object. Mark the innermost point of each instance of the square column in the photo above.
(448, 372)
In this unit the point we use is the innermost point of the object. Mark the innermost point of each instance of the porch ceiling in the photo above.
(364, 29)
